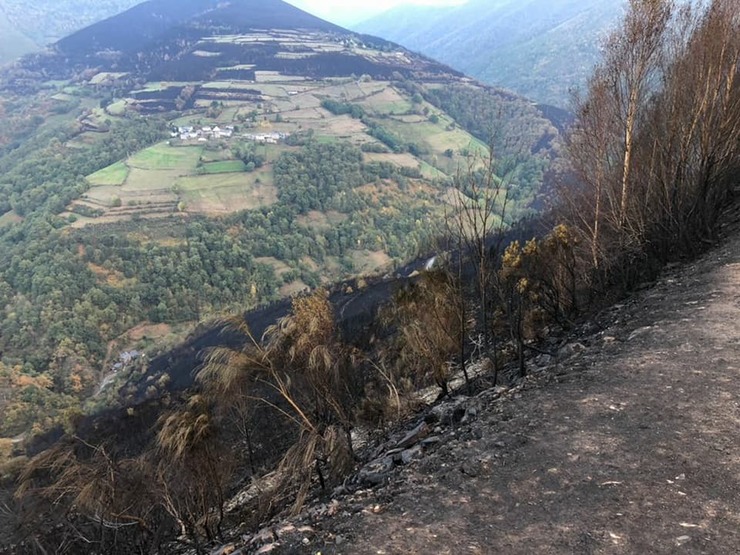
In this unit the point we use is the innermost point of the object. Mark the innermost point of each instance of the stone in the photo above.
(639, 332)
(414, 436)
(224, 550)
(450, 412)
(410, 454)
(470, 414)
(371, 478)
(543, 360)
(432, 440)
(471, 468)
(269, 548)
(571, 349)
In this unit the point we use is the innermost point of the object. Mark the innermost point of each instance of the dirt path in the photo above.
(634, 446)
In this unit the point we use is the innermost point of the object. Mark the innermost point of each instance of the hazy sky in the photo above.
(346, 12)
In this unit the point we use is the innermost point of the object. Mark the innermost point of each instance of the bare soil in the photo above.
(626, 442)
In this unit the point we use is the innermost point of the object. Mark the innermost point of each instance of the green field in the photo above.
(165, 157)
(326, 139)
(227, 192)
(434, 136)
(115, 174)
(225, 166)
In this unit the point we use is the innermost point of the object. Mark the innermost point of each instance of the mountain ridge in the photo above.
(498, 43)
(31, 25)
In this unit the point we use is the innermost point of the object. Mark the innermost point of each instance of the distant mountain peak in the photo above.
(538, 48)
(207, 40)
(146, 23)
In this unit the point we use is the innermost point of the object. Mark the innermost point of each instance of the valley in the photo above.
(268, 283)
(215, 165)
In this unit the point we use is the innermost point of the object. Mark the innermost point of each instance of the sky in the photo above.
(348, 12)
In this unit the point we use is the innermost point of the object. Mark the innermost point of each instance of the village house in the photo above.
(202, 134)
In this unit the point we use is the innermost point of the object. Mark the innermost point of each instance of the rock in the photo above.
(450, 412)
(682, 539)
(414, 436)
(339, 540)
(571, 349)
(639, 332)
(432, 440)
(470, 414)
(224, 550)
(471, 468)
(269, 548)
(408, 455)
(372, 478)
(287, 529)
(543, 360)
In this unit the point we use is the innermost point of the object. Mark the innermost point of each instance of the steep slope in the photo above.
(13, 43)
(29, 25)
(190, 40)
(633, 422)
(146, 24)
(537, 48)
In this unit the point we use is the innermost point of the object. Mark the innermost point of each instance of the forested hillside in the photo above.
(540, 49)
(133, 207)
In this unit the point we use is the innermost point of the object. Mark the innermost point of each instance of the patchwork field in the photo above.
(164, 179)
(203, 175)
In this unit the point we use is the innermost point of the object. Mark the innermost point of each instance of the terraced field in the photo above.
(203, 175)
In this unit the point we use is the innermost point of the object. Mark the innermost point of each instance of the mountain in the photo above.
(184, 41)
(186, 159)
(538, 48)
(13, 42)
(29, 25)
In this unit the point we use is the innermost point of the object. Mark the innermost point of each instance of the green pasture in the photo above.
(115, 174)
(224, 166)
(165, 157)
(223, 193)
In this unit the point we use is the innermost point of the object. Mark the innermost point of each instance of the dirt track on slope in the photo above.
(631, 445)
